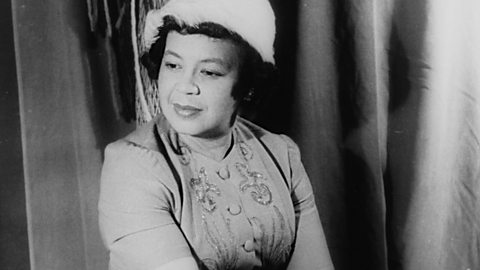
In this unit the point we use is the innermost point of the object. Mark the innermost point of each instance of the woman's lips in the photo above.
(186, 110)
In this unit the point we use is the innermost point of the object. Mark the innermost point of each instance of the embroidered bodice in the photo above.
(240, 219)
(161, 201)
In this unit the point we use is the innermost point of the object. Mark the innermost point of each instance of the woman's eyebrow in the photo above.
(216, 60)
(169, 52)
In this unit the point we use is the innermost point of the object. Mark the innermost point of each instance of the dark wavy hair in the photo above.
(256, 77)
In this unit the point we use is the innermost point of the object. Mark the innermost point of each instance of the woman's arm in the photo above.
(310, 250)
(135, 212)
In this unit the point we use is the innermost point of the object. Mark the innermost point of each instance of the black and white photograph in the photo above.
(240, 135)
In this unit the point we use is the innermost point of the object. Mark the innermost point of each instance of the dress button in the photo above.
(223, 173)
(234, 209)
(248, 246)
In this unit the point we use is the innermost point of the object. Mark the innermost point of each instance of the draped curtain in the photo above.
(383, 99)
(387, 114)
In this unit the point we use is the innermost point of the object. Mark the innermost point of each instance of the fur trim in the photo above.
(253, 20)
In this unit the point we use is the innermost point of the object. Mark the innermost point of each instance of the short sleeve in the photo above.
(301, 188)
(310, 251)
(135, 209)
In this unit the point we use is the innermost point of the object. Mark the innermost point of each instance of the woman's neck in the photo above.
(215, 148)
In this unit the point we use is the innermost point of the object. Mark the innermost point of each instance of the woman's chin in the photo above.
(187, 130)
(183, 123)
(194, 125)
(197, 130)
(191, 127)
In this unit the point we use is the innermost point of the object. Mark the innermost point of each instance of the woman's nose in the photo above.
(188, 86)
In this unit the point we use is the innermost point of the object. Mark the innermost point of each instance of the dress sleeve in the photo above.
(310, 251)
(135, 210)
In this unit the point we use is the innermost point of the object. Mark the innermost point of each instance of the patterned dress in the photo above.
(160, 201)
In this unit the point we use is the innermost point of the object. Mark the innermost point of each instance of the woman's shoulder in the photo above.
(141, 149)
(272, 140)
(146, 137)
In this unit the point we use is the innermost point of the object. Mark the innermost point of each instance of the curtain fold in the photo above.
(386, 113)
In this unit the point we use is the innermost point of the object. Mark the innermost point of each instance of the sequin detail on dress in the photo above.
(245, 150)
(275, 247)
(259, 191)
(185, 154)
(252, 179)
(205, 191)
(222, 243)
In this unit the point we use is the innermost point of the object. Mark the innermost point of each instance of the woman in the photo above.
(200, 187)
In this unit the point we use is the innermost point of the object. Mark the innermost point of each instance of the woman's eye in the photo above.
(170, 65)
(212, 73)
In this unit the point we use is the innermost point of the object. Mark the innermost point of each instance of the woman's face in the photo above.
(196, 78)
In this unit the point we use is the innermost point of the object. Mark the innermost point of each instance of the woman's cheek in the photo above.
(165, 85)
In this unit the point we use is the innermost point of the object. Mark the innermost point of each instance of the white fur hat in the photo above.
(253, 20)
